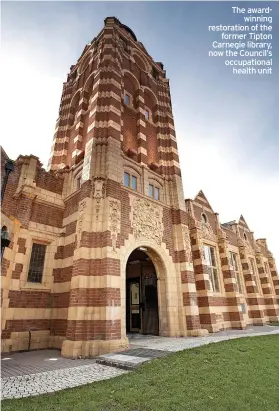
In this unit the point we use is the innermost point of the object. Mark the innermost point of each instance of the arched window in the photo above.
(150, 105)
(84, 64)
(204, 218)
(130, 180)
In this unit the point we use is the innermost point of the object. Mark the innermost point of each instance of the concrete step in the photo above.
(122, 361)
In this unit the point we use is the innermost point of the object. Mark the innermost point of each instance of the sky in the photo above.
(227, 125)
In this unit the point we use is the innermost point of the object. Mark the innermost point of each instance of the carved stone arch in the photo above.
(131, 84)
(127, 166)
(89, 83)
(150, 102)
(84, 62)
(74, 106)
(156, 180)
(163, 266)
(150, 94)
(75, 98)
(141, 60)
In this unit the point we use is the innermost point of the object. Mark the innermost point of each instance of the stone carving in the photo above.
(99, 192)
(246, 244)
(249, 247)
(240, 242)
(202, 255)
(222, 235)
(187, 241)
(188, 208)
(114, 221)
(98, 188)
(147, 220)
(207, 232)
(81, 208)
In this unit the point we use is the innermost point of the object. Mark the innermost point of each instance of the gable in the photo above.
(202, 200)
(243, 223)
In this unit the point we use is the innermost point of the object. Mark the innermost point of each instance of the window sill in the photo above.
(35, 286)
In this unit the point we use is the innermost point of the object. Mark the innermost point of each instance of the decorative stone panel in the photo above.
(187, 242)
(147, 220)
(114, 220)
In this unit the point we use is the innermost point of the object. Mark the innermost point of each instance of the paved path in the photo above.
(50, 381)
(145, 348)
(40, 372)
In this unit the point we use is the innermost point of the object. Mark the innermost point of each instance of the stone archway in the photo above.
(142, 314)
(168, 301)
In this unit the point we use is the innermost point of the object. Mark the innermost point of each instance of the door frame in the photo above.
(130, 281)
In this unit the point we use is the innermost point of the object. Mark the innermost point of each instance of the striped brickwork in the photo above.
(91, 222)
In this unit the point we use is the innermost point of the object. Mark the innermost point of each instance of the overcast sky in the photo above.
(227, 126)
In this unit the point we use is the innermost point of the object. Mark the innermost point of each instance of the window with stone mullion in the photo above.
(211, 263)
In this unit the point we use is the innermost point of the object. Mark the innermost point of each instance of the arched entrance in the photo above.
(142, 314)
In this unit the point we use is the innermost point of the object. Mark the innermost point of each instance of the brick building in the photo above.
(104, 243)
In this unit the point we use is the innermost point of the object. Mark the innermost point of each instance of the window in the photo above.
(130, 181)
(36, 267)
(210, 261)
(245, 236)
(153, 192)
(254, 274)
(204, 218)
(134, 183)
(127, 99)
(146, 115)
(126, 180)
(156, 193)
(78, 182)
(234, 263)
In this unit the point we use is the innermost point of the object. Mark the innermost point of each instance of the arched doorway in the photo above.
(142, 314)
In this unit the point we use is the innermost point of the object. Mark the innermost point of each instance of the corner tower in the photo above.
(115, 141)
(116, 90)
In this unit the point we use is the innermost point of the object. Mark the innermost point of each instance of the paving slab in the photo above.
(45, 371)
(31, 362)
(50, 381)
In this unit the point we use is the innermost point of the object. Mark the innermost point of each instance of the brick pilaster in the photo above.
(235, 312)
(271, 305)
(254, 299)
(206, 312)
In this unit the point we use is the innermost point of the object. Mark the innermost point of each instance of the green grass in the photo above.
(232, 375)
(274, 323)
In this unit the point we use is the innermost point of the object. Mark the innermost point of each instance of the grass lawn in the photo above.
(274, 323)
(237, 375)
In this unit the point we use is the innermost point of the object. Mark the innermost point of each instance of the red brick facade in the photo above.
(115, 116)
